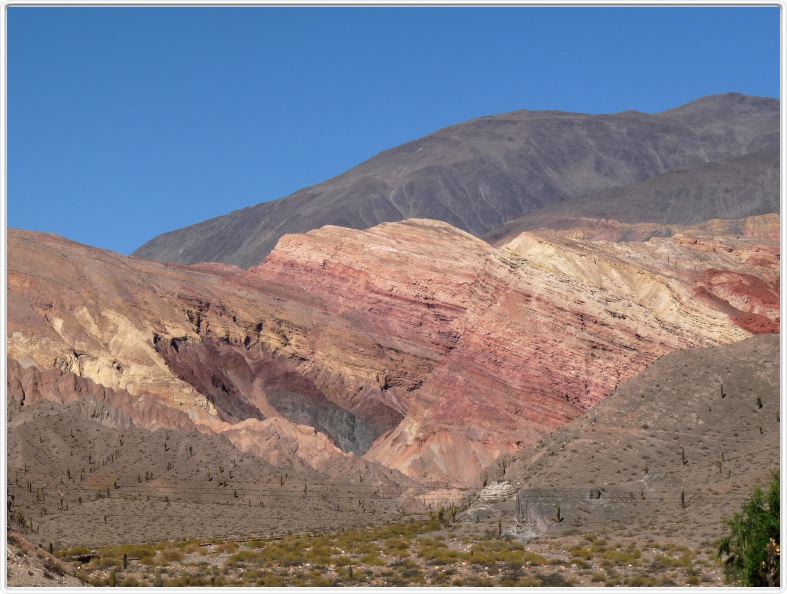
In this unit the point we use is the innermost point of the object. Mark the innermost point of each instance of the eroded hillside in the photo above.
(372, 349)
(671, 453)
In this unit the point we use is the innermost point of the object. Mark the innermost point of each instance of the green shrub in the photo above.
(372, 559)
(243, 558)
(618, 558)
(531, 558)
(106, 562)
(130, 582)
(226, 547)
(581, 553)
(641, 581)
(748, 559)
(171, 555)
(72, 552)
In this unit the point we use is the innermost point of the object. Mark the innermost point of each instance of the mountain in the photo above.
(481, 174)
(79, 477)
(365, 352)
(670, 453)
(733, 189)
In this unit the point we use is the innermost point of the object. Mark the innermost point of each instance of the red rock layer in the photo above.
(449, 351)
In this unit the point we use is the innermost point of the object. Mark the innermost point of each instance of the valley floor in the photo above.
(421, 553)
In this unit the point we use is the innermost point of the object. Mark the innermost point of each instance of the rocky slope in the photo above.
(28, 565)
(86, 325)
(483, 173)
(670, 453)
(734, 189)
(380, 343)
(79, 475)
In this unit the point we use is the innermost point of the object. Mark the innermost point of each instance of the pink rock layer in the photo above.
(451, 352)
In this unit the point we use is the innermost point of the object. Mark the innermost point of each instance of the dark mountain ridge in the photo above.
(483, 173)
(733, 189)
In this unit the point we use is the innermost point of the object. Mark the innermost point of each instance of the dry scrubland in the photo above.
(410, 554)
(656, 489)
(74, 481)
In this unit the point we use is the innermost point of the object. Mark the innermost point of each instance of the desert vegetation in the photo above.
(751, 548)
(420, 553)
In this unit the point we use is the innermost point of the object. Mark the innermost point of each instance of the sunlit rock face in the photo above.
(413, 346)
(538, 330)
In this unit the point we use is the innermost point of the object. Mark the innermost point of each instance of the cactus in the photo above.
(759, 402)
(558, 516)
(683, 499)
(683, 456)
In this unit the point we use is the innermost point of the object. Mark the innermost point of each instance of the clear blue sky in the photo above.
(124, 123)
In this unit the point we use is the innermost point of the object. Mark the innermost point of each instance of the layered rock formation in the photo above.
(415, 345)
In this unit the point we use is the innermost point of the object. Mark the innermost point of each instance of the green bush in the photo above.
(752, 559)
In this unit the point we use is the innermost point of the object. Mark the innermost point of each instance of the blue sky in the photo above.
(127, 122)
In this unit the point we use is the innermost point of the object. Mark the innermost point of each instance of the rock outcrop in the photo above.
(411, 346)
